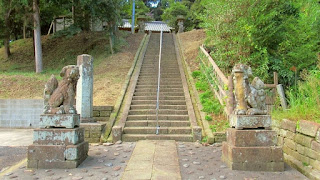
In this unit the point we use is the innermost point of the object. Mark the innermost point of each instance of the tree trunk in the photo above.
(37, 37)
(25, 22)
(7, 35)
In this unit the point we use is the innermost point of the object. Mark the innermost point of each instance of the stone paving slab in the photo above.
(199, 161)
(153, 160)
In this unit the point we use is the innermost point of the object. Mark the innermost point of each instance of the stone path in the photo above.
(15, 137)
(158, 159)
(153, 160)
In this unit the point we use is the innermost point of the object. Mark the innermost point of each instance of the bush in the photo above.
(268, 35)
(304, 100)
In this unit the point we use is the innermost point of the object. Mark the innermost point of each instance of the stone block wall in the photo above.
(301, 145)
(20, 113)
(102, 113)
(92, 131)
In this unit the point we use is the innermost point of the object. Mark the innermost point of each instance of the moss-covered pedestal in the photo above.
(252, 147)
(58, 144)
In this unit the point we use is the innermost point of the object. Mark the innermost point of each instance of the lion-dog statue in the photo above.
(60, 98)
(250, 98)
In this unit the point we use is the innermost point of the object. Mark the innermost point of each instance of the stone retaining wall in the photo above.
(20, 113)
(93, 131)
(25, 113)
(102, 113)
(301, 145)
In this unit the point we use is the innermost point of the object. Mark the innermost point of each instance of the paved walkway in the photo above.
(142, 160)
(15, 137)
(153, 160)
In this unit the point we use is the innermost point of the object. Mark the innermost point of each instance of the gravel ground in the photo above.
(204, 162)
(9, 156)
(104, 162)
(108, 162)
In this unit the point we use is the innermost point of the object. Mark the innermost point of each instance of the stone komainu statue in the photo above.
(250, 98)
(59, 99)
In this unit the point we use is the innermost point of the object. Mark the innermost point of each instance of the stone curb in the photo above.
(106, 130)
(195, 98)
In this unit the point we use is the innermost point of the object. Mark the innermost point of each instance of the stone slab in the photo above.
(251, 138)
(250, 122)
(77, 152)
(59, 120)
(288, 125)
(48, 153)
(257, 166)
(308, 128)
(60, 136)
(315, 146)
(57, 156)
(318, 136)
(252, 154)
(303, 140)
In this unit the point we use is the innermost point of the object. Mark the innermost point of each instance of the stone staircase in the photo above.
(173, 114)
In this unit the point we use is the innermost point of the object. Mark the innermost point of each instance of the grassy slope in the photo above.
(18, 80)
(190, 42)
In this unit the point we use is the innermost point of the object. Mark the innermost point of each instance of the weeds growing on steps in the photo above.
(218, 122)
(303, 101)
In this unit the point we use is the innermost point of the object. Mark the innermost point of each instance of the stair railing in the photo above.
(158, 88)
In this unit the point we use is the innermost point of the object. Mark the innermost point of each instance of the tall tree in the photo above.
(37, 37)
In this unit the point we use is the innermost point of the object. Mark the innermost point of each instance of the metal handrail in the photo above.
(158, 89)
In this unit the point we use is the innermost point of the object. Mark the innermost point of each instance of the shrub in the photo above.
(268, 35)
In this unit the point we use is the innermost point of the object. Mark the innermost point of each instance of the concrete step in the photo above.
(162, 86)
(153, 123)
(137, 137)
(155, 78)
(160, 98)
(161, 89)
(155, 75)
(162, 102)
(161, 83)
(160, 112)
(176, 107)
(162, 130)
(160, 117)
(161, 94)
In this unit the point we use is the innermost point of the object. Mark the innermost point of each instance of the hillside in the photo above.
(18, 80)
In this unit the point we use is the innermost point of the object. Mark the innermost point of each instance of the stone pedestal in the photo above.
(59, 143)
(180, 20)
(252, 147)
(84, 103)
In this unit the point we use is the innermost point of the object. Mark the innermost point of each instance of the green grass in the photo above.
(219, 125)
(303, 101)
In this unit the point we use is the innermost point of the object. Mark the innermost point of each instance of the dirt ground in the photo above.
(109, 71)
(190, 42)
(110, 74)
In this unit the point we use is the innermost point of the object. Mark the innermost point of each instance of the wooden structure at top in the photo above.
(222, 86)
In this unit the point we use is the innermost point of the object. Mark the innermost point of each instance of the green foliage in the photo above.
(209, 103)
(268, 35)
(196, 74)
(208, 118)
(219, 126)
(202, 85)
(68, 32)
(170, 14)
(304, 101)
(204, 139)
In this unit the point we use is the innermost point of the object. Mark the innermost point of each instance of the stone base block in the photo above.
(57, 156)
(253, 158)
(93, 131)
(250, 121)
(59, 120)
(257, 166)
(87, 120)
(251, 138)
(58, 136)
